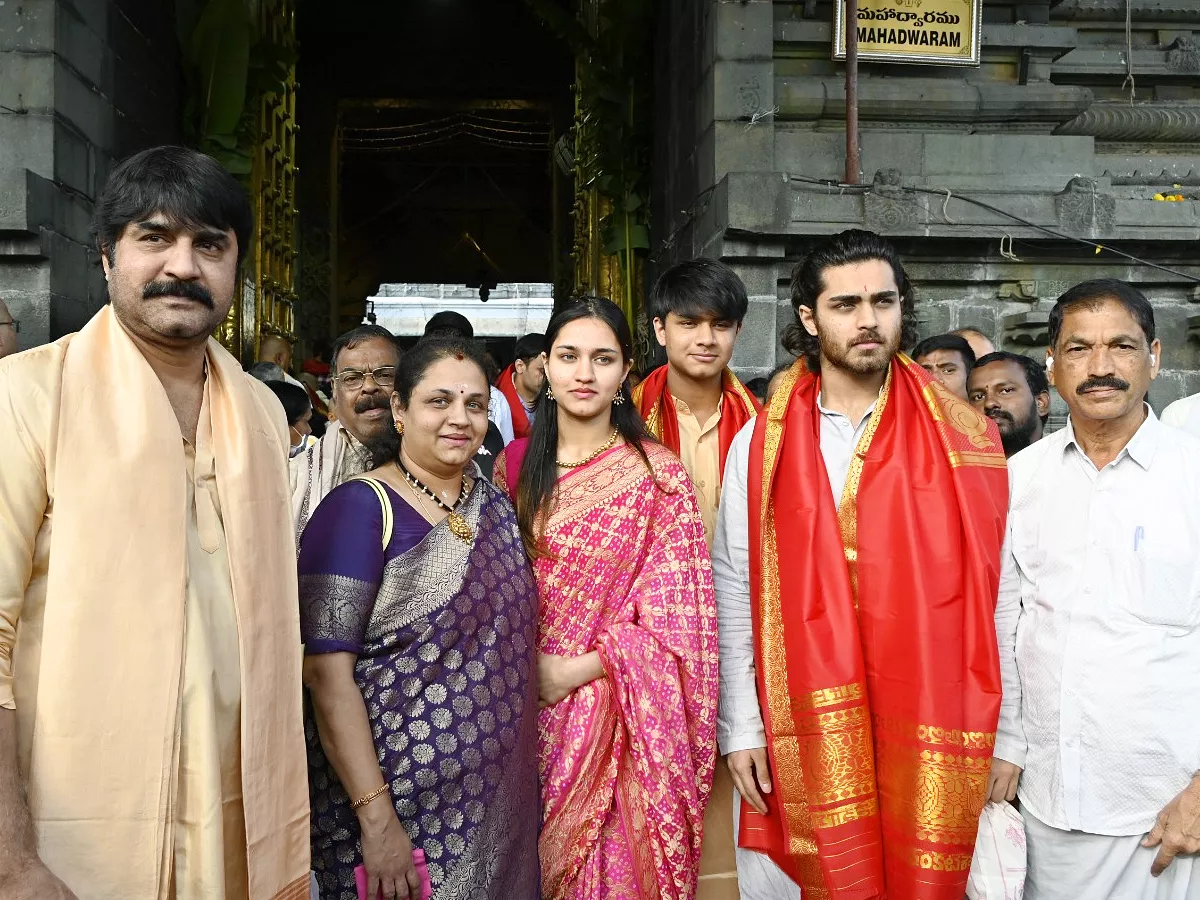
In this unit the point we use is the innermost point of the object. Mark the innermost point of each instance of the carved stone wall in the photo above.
(1063, 135)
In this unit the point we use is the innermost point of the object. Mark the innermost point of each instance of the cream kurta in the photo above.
(210, 827)
(210, 830)
(181, 802)
(700, 453)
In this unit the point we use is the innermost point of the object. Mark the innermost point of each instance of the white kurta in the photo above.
(1098, 621)
(500, 415)
(1184, 414)
(739, 719)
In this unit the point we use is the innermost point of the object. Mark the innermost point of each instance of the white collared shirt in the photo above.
(1098, 622)
(500, 414)
(739, 719)
(1184, 414)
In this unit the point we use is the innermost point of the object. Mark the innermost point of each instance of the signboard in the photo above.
(925, 32)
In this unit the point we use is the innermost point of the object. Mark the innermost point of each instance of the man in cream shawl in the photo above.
(364, 364)
(151, 743)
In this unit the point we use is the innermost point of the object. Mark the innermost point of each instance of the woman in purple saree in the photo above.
(420, 659)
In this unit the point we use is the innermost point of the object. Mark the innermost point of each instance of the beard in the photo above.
(843, 356)
(1015, 435)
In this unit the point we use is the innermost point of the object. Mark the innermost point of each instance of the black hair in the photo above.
(1093, 293)
(808, 281)
(426, 352)
(758, 387)
(359, 335)
(294, 399)
(448, 323)
(537, 483)
(1035, 374)
(493, 367)
(952, 342)
(385, 446)
(529, 346)
(699, 287)
(190, 189)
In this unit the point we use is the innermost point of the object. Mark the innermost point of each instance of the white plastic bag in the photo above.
(998, 868)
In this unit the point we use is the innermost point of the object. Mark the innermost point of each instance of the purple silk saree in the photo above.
(445, 635)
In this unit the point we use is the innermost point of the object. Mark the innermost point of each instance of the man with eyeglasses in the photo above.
(9, 328)
(364, 372)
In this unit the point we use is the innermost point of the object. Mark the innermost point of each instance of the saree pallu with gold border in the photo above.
(875, 646)
(626, 760)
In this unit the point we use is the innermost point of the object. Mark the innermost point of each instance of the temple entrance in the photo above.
(426, 138)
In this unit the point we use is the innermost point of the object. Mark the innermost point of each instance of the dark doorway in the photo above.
(426, 138)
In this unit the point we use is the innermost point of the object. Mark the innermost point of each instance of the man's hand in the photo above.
(34, 882)
(749, 770)
(1002, 781)
(1177, 829)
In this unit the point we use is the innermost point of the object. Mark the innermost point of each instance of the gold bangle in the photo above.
(367, 798)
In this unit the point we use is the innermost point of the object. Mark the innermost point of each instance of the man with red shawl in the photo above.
(694, 404)
(522, 380)
(856, 562)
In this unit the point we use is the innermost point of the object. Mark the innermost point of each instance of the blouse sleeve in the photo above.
(341, 567)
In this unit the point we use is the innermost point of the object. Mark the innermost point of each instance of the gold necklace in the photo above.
(457, 522)
(607, 445)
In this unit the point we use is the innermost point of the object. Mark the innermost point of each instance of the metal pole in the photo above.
(851, 30)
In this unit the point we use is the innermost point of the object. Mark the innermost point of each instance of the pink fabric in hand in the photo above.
(360, 878)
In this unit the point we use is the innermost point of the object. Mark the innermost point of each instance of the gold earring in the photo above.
(399, 426)
(549, 393)
(620, 398)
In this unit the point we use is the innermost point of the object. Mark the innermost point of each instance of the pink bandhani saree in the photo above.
(627, 760)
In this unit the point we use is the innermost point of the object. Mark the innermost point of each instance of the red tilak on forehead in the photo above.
(459, 357)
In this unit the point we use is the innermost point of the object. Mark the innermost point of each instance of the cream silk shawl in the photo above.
(317, 471)
(104, 754)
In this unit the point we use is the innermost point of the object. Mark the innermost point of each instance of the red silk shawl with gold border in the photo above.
(875, 645)
(653, 401)
(505, 385)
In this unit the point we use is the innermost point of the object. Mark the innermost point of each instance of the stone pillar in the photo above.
(83, 83)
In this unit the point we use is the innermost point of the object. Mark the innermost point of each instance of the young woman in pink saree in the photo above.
(627, 636)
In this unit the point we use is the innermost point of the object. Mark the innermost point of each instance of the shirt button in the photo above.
(1087, 590)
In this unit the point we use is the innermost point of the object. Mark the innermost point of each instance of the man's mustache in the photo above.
(372, 401)
(868, 337)
(1103, 381)
(192, 290)
(998, 415)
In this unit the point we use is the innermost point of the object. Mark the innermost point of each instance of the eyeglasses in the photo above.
(384, 377)
(16, 326)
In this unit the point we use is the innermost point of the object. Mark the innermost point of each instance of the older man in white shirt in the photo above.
(1098, 622)
(364, 372)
